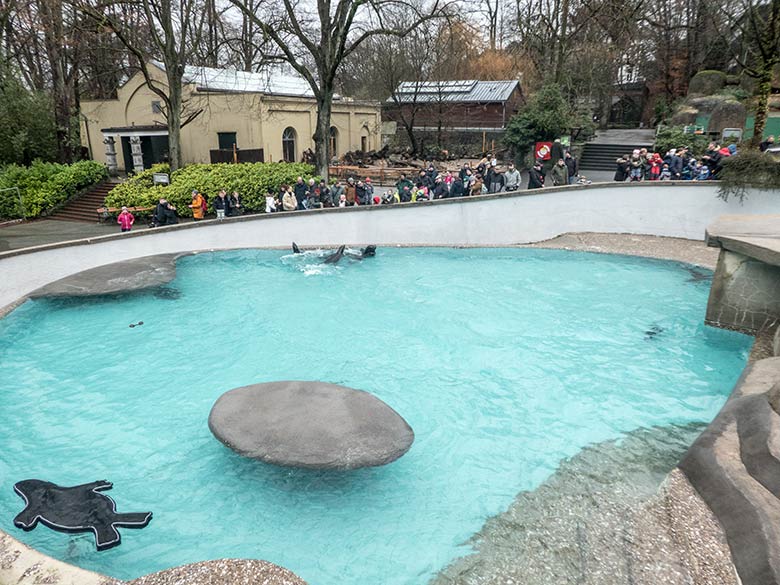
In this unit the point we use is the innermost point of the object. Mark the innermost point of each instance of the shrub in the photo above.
(547, 116)
(43, 186)
(669, 137)
(251, 180)
(748, 169)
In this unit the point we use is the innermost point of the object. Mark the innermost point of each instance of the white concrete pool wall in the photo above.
(662, 209)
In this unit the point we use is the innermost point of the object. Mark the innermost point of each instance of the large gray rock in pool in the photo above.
(310, 424)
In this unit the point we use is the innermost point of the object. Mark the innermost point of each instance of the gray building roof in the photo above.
(455, 91)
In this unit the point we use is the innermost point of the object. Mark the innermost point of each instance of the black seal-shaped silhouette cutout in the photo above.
(80, 508)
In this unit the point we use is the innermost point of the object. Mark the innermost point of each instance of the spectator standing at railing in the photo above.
(440, 191)
(222, 205)
(235, 208)
(300, 192)
(197, 205)
(337, 191)
(448, 178)
(404, 185)
(512, 178)
(676, 164)
(476, 185)
(572, 166)
(289, 202)
(350, 192)
(369, 191)
(125, 220)
(621, 170)
(559, 173)
(361, 196)
(270, 201)
(536, 176)
(326, 195)
(457, 189)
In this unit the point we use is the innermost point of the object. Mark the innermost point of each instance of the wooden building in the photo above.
(468, 105)
(462, 117)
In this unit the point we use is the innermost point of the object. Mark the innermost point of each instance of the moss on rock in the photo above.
(707, 82)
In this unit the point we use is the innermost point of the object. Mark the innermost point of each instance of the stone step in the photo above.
(84, 208)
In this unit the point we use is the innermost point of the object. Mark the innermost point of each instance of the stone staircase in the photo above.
(602, 157)
(84, 208)
(608, 145)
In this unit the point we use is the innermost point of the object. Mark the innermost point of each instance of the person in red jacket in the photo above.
(125, 220)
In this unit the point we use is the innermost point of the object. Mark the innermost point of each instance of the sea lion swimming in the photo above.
(333, 258)
(80, 508)
(336, 256)
(367, 252)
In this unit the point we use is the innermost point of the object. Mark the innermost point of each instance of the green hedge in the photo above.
(43, 186)
(673, 137)
(251, 180)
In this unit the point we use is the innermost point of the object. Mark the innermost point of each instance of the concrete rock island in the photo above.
(311, 425)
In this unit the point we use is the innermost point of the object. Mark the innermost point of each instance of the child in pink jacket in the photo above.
(125, 219)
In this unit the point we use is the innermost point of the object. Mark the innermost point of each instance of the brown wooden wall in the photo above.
(457, 115)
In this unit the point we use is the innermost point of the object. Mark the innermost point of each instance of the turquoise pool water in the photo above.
(504, 361)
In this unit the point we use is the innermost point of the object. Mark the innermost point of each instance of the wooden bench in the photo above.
(105, 212)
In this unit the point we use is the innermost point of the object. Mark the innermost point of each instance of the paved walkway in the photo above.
(46, 231)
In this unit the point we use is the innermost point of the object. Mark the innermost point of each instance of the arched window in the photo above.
(334, 141)
(288, 144)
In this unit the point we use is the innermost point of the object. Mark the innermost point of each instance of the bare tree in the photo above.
(315, 42)
(172, 34)
(756, 49)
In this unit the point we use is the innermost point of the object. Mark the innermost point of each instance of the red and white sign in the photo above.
(543, 150)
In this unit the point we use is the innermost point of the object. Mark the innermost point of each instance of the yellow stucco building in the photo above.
(268, 116)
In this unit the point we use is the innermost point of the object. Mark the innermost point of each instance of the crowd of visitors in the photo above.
(484, 177)
(678, 164)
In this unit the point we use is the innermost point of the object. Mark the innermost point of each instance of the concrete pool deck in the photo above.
(691, 532)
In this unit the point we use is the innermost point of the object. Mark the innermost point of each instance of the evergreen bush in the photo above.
(43, 186)
(669, 137)
(251, 180)
(748, 169)
(546, 117)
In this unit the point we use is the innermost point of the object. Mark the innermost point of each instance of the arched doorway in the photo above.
(289, 137)
(365, 143)
(334, 141)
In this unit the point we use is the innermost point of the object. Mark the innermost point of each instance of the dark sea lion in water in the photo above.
(167, 293)
(79, 508)
(296, 249)
(367, 252)
(653, 331)
(336, 256)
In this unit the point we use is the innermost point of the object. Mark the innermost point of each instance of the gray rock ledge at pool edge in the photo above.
(313, 425)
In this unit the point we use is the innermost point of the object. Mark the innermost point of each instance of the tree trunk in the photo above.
(174, 116)
(62, 95)
(561, 52)
(763, 89)
(322, 133)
